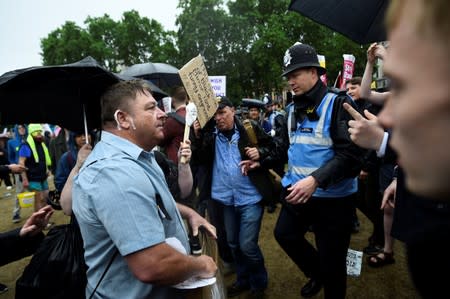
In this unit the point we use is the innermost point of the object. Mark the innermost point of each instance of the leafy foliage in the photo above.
(244, 40)
(113, 44)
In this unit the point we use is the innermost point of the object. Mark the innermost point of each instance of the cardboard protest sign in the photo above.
(196, 82)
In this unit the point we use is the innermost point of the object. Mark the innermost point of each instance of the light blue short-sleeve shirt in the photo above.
(122, 202)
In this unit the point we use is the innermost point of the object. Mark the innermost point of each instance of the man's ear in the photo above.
(122, 119)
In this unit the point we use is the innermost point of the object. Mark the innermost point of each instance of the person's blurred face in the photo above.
(302, 80)
(270, 108)
(80, 140)
(253, 113)
(224, 118)
(21, 130)
(38, 136)
(147, 121)
(353, 90)
(419, 109)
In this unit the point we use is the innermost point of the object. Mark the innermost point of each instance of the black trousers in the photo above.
(369, 200)
(331, 220)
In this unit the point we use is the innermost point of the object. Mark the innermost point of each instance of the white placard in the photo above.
(354, 261)
(219, 85)
(167, 104)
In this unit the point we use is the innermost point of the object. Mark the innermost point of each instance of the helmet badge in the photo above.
(287, 58)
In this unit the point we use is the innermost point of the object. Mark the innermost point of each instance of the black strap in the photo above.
(104, 273)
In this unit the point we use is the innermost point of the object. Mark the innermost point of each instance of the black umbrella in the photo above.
(253, 103)
(157, 92)
(60, 94)
(360, 20)
(66, 95)
(162, 74)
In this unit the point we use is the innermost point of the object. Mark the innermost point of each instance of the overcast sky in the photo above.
(23, 23)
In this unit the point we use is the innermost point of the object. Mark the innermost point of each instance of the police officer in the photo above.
(320, 182)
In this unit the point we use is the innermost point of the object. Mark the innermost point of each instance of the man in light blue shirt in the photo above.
(122, 203)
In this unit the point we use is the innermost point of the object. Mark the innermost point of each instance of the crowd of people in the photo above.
(144, 187)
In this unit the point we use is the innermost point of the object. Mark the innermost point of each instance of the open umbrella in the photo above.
(253, 103)
(60, 94)
(162, 74)
(67, 95)
(360, 20)
(157, 92)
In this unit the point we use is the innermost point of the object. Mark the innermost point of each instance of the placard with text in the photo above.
(196, 82)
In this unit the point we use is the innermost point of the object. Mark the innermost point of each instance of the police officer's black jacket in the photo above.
(204, 150)
(348, 158)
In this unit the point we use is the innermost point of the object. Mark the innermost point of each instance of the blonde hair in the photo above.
(433, 17)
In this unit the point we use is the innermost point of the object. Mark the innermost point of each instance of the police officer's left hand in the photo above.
(302, 190)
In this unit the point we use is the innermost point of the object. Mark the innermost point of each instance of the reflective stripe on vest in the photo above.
(311, 147)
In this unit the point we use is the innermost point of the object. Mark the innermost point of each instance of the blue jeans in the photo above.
(242, 225)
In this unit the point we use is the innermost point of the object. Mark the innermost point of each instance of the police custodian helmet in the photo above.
(301, 56)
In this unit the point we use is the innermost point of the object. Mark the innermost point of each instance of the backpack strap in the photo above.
(104, 272)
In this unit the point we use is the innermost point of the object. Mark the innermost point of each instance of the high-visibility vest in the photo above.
(311, 147)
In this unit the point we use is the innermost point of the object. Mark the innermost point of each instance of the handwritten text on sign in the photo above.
(196, 82)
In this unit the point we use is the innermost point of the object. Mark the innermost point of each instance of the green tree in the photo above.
(67, 44)
(244, 40)
(247, 42)
(201, 27)
(141, 40)
(113, 44)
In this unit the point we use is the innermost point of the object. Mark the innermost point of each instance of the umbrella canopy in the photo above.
(253, 103)
(162, 74)
(360, 20)
(157, 92)
(59, 94)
